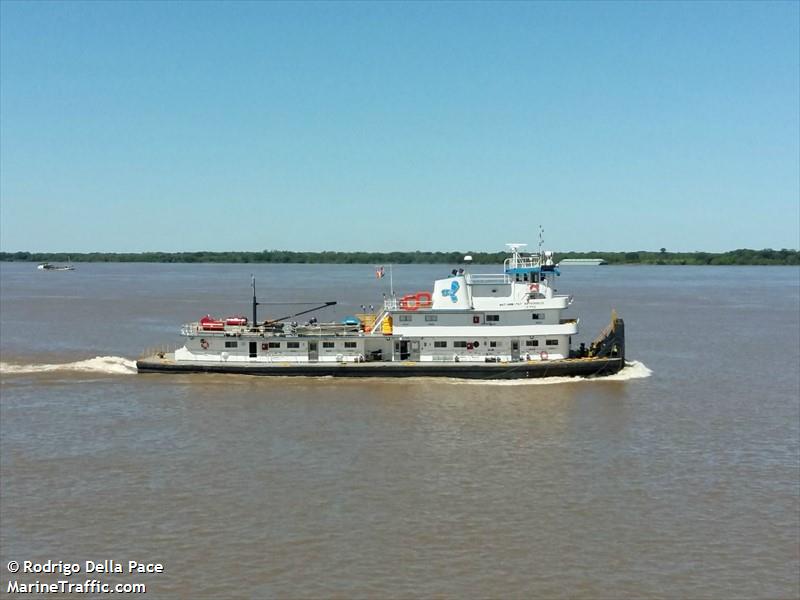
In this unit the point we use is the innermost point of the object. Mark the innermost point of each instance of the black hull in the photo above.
(587, 367)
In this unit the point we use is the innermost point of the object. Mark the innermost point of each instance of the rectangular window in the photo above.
(405, 318)
(274, 344)
(327, 344)
(440, 344)
(350, 345)
(530, 343)
(231, 344)
(537, 316)
(292, 344)
(431, 318)
(459, 344)
(492, 318)
(551, 342)
(492, 344)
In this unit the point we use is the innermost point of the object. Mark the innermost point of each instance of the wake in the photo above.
(108, 365)
(117, 365)
(632, 370)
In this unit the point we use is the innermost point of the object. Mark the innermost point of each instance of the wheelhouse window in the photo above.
(431, 318)
(405, 318)
(231, 344)
(440, 344)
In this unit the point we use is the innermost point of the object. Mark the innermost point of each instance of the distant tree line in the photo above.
(734, 257)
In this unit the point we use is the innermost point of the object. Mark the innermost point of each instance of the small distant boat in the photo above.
(52, 267)
(581, 262)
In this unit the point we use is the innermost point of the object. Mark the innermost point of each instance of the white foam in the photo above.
(114, 365)
(632, 370)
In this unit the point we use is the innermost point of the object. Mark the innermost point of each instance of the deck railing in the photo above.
(522, 262)
(488, 278)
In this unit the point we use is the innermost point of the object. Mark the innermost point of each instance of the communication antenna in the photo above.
(541, 238)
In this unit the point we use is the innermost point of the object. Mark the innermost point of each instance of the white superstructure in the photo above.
(514, 315)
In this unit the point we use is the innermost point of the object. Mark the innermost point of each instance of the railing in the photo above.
(488, 278)
(522, 262)
(195, 329)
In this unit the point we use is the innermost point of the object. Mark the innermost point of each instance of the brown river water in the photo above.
(678, 478)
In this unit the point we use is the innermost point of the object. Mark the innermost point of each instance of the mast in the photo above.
(255, 303)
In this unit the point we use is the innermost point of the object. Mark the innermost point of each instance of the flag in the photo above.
(379, 273)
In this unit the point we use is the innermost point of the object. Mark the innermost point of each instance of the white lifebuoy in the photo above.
(543, 355)
(204, 344)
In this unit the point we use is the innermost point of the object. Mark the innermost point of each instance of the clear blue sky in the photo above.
(392, 126)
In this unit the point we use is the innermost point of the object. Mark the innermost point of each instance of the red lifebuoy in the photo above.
(543, 355)
(424, 299)
(407, 300)
(534, 287)
(204, 344)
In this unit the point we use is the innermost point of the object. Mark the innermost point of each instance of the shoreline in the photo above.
(742, 257)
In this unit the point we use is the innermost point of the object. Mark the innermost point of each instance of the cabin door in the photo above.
(313, 353)
(402, 349)
(514, 349)
(253, 349)
(413, 353)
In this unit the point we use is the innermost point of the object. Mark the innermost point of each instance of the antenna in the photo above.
(541, 238)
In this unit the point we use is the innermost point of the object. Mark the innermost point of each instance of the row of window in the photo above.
(475, 319)
(408, 318)
(534, 343)
(266, 345)
(492, 344)
(346, 345)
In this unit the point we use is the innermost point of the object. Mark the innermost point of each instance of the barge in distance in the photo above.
(506, 325)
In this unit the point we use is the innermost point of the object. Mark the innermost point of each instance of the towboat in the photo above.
(505, 325)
